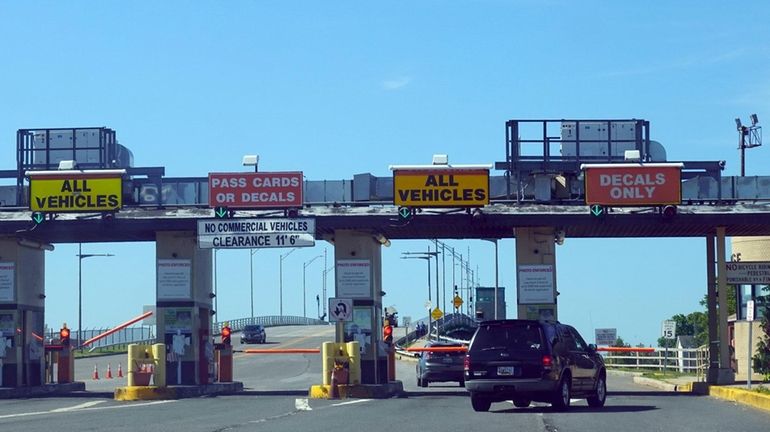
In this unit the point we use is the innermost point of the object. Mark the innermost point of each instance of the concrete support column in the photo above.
(726, 374)
(358, 262)
(22, 309)
(711, 306)
(184, 298)
(536, 273)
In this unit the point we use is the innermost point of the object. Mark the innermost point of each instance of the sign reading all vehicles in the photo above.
(445, 187)
(75, 191)
(255, 233)
(255, 190)
(633, 184)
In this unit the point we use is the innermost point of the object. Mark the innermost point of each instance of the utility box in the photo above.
(599, 139)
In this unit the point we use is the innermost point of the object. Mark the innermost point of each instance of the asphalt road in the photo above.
(275, 400)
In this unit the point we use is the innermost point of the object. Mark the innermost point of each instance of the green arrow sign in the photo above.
(405, 213)
(221, 212)
(38, 218)
(597, 210)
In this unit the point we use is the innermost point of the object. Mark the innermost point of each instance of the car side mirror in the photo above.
(559, 348)
(591, 347)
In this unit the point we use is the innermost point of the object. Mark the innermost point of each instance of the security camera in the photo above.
(558, 236)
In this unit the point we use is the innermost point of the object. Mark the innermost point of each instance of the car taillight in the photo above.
(547, 362)
(467, 363)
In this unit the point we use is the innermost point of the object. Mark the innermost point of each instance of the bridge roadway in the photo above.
(275, 400)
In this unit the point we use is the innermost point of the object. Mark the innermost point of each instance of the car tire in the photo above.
(423, 382)
(561, 396)
(480, 403)
(462, 383)
(600, 394)
(521, 403)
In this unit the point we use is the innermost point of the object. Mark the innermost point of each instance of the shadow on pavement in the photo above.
(648, 393)
(272, 393)
(578, 409)
(459, 392)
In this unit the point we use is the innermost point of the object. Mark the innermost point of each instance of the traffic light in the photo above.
(226, 332)
(64, 336)
(387, 334)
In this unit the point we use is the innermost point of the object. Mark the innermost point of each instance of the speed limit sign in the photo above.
(669, 329)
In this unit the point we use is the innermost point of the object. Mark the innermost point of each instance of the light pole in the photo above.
(426, 256)
(251, 279)
(280, 280)
(81, 256)
(304, 290)
(497, 275)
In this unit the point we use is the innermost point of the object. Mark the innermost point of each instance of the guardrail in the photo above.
(446, 324)
(265, 321)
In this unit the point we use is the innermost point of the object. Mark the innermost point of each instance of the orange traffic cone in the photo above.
(109, 372)
(96, 373)
(120, 371)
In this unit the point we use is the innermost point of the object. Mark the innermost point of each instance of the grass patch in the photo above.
(763, 390)
(667, 374)
(101, 351)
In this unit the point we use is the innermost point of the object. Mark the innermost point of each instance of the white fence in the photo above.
(686, 360)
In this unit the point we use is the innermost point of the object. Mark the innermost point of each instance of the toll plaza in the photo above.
(609, 180)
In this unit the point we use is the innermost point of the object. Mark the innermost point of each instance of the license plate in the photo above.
(448, 360)
(506, 370)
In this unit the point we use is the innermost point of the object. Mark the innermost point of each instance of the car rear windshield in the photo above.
(252, 328)
(518, 337)
(449, 353)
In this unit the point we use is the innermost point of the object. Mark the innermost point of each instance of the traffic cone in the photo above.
(96, 373)
(120, 371)
(109, 372)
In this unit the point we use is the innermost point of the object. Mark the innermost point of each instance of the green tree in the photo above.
(620, 343)
(694, 324)
(761, 360)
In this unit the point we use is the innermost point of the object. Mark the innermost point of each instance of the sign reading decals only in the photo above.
(75, 191)
(255, 190)
(255, 233)
(633, 184)
(450, 187)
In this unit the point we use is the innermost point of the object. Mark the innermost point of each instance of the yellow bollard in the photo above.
(354, 362)
(327, 359)
(159, 356)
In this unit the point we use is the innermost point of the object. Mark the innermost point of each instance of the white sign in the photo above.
(7, 270)
(341, 309)
(535, 284)
(606, 336)
(255, 233)
(750, 310)
(669, 329)
(174, 279)
(748, 272)
(354, 278)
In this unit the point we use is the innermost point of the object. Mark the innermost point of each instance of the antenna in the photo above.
(748, 137)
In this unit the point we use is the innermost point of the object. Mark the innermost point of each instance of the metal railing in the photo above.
(265, 321)
(447, 323)
(683, 360)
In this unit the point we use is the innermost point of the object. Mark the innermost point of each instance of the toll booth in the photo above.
(22, 307)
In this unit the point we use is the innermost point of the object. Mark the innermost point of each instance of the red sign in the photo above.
(630, 184)
(256, 190)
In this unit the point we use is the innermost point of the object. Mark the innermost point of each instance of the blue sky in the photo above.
(340, 88)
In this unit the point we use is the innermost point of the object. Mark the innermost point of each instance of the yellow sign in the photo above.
(75, 193)
(441, 187)
(436, 314)
(457, 302)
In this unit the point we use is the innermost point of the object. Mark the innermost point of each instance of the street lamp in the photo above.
(497, 280)
(280, 279)
(81, 256)
(251, 279)
(304, 290)
(427, 257)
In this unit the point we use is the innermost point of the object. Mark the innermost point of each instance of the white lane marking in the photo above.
(90, 407)
(77, 407)
(352, 402)
(302, 405)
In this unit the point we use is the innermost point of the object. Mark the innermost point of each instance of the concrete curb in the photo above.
(43, 390)
(133, 393)
(655, 383)
(746, 397)
(358, 391)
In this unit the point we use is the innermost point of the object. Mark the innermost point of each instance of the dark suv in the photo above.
(253, 333)
(525, 361)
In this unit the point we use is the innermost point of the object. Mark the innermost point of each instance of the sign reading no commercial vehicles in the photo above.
(255, 233)
(748, 272)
